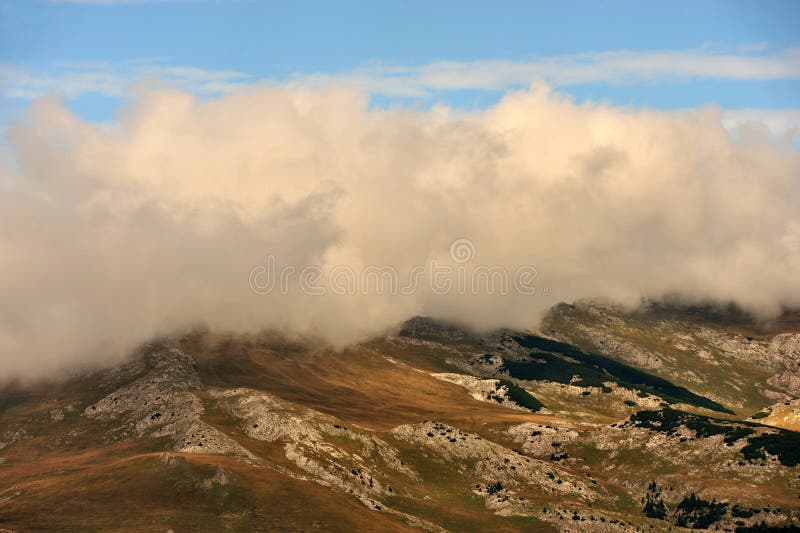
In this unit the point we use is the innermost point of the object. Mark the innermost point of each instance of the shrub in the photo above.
(495, 488)
(785, 444)
(560, 362)
(741, 512)
(698, 513)
(654, 506)
(520, 396)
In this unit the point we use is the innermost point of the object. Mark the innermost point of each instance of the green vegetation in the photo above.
(764, 528)
(654, 506)
(782, 443)
(697, 513)
(495, 488)
(738, 511)
(669, 420)
(736, 434)
(557, 361)
(550, 367)
(520, 396)
(753, 392)
(655, 509)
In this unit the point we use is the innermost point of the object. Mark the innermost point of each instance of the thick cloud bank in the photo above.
(113, 234)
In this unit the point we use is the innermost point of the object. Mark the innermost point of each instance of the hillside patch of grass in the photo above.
(782, 443)
(559, 362)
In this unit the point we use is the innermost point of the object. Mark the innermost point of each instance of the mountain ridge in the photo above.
(430, 429)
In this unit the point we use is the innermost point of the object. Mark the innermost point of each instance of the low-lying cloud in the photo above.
(113, 234)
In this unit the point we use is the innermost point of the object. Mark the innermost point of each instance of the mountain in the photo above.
(603, 419)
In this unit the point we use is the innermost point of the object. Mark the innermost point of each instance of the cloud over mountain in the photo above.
(112, 234)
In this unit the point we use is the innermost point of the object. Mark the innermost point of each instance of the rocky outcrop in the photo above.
(782, 414)
(159, 401)
(483, 390)
(543, 439)
(425, 328)
(488, 462)
(324, 449)
(666, 344)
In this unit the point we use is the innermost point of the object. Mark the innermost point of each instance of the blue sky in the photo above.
(739, 55)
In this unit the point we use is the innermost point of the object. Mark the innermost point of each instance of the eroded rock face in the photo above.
(269, 418)
(155, 396)
(627, 351)
(772, 353)
(485, 365)
(483, 390)
(683, 448)
(542, 439)
(779, 354)
(158, 400)
(487, 461)
(347, 459)
(500, 475)
(787, 380)
(672, 346)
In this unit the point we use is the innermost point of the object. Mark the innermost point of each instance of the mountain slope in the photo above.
(436, 429)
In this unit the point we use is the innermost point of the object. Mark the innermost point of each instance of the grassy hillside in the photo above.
(297, 437)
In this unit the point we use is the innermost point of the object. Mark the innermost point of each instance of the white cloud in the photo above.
(777, 121)
(71, 80)
(613, 67)
(115, 234)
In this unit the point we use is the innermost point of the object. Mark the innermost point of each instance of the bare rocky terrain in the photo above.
(605, 420)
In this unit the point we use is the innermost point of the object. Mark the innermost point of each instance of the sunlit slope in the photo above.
(434, 429)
